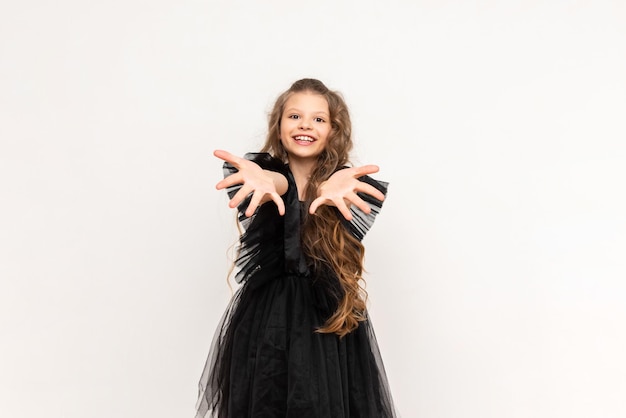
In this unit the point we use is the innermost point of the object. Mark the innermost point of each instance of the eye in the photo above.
(319, 120)
(294, 116)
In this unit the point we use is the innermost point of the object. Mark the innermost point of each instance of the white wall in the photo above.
(496, 270)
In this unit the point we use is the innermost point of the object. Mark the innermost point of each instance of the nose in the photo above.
(304, 124)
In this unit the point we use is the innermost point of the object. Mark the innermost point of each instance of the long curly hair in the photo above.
(325, 241)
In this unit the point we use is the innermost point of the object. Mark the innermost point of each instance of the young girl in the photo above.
(295, 340)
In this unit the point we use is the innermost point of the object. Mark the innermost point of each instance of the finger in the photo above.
(227, 156)
(366, 169)
(239, 197)
(279, 203)
(370, 190)
(254, 203)
(343, 208)
(233, 179)
(358, 202)
(315, 204)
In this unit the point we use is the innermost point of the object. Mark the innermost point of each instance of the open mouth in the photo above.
(304, 138)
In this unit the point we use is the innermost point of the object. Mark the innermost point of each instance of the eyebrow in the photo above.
(293, 109)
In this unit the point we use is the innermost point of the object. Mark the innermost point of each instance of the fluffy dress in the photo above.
(266, 359)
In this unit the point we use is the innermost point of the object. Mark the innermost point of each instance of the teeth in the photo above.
(304, 138)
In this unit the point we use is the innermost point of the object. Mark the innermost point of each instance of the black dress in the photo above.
(266, 359)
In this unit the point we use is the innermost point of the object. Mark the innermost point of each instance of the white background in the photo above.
(496, 269)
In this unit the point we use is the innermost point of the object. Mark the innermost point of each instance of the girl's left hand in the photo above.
(341, 189)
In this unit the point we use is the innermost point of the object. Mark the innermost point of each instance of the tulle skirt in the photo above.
(266, 359)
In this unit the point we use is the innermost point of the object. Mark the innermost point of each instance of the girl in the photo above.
(295, 340)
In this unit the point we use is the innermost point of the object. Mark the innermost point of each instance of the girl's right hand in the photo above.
(262, 184)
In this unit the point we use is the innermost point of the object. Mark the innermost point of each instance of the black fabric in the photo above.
(266, 359)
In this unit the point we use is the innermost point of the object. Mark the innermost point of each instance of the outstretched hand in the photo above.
(341, 189)
(253, 180)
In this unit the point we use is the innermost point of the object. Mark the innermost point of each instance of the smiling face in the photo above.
(305, 126)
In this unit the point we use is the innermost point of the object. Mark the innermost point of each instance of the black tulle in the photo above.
(266, 359)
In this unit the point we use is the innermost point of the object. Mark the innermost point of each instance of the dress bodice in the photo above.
(295, 262)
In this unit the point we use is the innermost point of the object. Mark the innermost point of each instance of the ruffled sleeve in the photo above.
(260, 249)
(362, 222)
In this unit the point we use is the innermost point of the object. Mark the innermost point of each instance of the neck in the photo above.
(301, 170)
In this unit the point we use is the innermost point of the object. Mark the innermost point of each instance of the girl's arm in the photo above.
(264, 185)
(341, 189)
